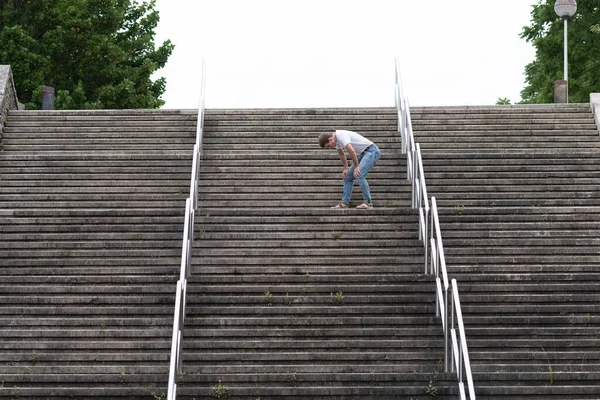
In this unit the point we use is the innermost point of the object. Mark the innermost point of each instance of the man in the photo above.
(364, 155)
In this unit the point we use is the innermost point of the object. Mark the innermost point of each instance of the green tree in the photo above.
(547, 35)
(95, 53)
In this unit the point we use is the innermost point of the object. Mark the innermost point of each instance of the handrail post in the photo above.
(174, 362)
(465, 362)
(194, 177)
(453, 323)
(185, 243)
(423, 197)
(447, 333)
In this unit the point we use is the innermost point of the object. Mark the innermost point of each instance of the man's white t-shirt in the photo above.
(358, 142)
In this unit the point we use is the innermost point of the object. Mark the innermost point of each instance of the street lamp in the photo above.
(565, 9)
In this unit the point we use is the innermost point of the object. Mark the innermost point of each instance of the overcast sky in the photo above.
(340, 53)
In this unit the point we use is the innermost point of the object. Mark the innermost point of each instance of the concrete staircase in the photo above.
(289, 299)
(519, 189)
(91, 212)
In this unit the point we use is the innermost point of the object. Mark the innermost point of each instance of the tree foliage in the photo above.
(95, 53)
(546, 33)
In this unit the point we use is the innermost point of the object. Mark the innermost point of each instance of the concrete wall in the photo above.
(595, 103)
(8, 94)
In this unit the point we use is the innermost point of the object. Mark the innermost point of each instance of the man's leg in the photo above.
(369, 159)
(348, 183)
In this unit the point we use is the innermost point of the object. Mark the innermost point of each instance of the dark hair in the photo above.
(324, 138)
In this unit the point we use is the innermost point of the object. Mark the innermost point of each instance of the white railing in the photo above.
(404, 122)
(191, 206)
(414, 161)
(460, 353)
(456, 354)
(438, 270)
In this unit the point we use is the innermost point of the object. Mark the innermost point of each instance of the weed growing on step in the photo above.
(337, 235)
(16, 391)
(431, 389)
(440, 367)
(269, 298)
(287, 299)
(219, 391)
(103, 325)
(336, 298)
(551, 374)
(124, 375)
(159, 397)
(459, 209)
(291, 380)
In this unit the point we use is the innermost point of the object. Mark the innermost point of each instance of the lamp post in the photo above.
(565, 9)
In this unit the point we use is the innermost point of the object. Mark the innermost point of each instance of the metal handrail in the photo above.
(453, 349)
(414, 161)
(434, 249)
(404, 122)
(420, 199)
(191, 206)
(461, 352)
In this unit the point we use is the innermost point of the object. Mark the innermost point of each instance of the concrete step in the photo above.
(273, 178)
(514, 111)
(484, 157)
(496, 145)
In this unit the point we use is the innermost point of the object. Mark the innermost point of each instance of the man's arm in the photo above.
(354, 159)
(344, 162)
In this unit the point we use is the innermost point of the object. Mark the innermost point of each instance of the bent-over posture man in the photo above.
(364, 155)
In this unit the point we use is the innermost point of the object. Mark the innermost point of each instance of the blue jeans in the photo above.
(366, 160)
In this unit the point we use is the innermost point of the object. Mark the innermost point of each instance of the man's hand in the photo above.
(352, 155)
(345, 173)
